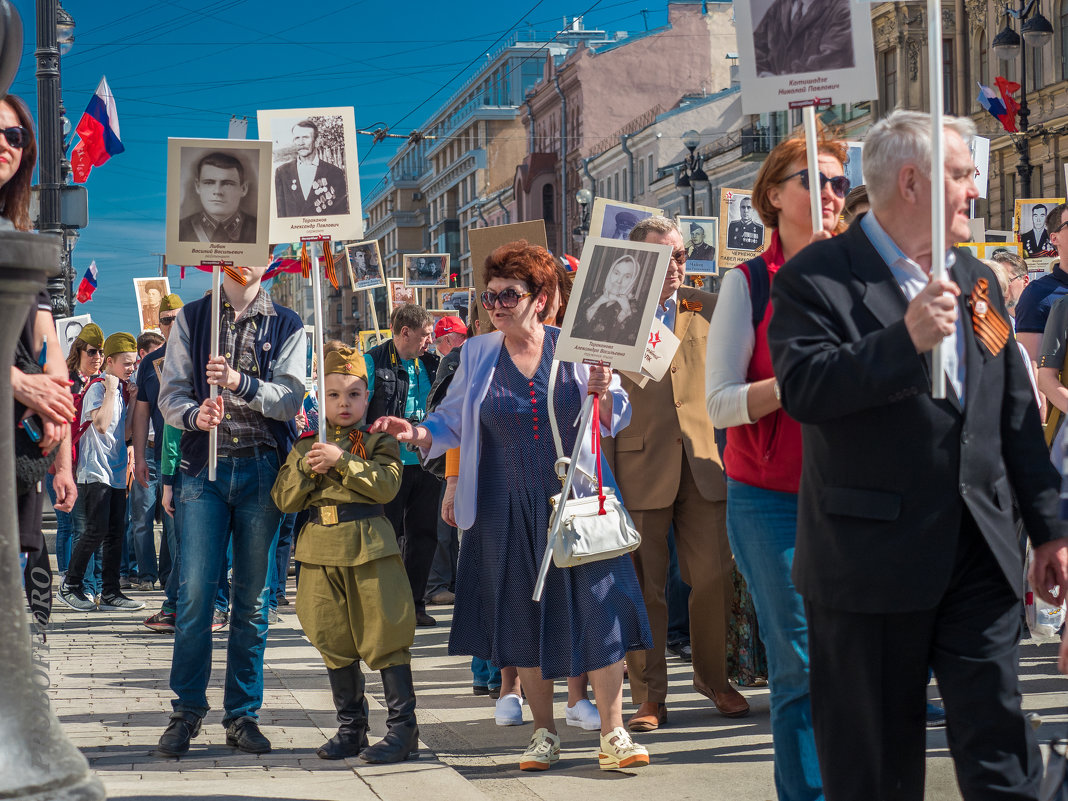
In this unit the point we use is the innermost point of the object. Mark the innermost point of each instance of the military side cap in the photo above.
(92, 335)
(170, 302)
(346, 361)
(120, 342)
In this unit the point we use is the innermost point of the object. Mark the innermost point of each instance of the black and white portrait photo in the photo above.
(315, 180)
(613, 299)
(365, 265)
(456, 301)
(700, 235)
(68, 328)
(613, 219)
(1031, 226)
(426, 269)
(797, 36)
(744, 229)
(217, 204)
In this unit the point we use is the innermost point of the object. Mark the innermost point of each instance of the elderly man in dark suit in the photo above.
(310, 186)
(804, 36)
(906, 553)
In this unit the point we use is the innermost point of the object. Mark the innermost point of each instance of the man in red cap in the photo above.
(449, 332)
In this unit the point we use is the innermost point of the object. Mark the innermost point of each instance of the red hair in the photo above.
(521, 261)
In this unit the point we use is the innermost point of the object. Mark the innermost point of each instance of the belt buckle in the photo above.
(328, 514)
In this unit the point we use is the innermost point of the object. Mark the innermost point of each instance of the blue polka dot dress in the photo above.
(589, 615)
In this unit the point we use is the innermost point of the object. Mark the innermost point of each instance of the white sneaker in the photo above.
(618, 751)
(509, 710)
(583, 715)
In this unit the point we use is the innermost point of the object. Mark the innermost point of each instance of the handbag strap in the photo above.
(595, 426)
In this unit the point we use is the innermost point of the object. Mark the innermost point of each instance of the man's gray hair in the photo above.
(412, 315)
(903, 137)
(654, 224)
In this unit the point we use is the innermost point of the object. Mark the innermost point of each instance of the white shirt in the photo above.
(102, 457)
(729, 350)
(666, 313)
(306, 173)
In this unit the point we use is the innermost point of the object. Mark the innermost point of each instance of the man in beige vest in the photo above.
(669, 472)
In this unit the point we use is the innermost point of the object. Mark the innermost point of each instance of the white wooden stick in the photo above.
(815, 190)
(938, 183)
(374, 311)
(317, 300)
(216, 303)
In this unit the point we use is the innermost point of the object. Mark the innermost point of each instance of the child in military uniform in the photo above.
(353, 599)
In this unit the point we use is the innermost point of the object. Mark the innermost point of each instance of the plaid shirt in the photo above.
(242, 427)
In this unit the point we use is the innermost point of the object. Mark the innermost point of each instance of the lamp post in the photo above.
(690, 171)
(584, 198)
(55, 37)
(1009, 46)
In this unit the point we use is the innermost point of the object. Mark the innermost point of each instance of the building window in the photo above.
(625, 188)
(339, 313)
(641, 174)
(949, 90)
(547, 204)
(1036, 70)
(355, 306)
(984, 60)
(888, 86)
(1064, 40)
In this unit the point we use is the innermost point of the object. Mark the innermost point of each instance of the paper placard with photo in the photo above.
(365, 265)
(819, 55)
(429, 270)
(613, 302)
(980, 148)
(370, 338)
(148, 293)
(659, 351)
(741, 233)
(977, 229)
(68, 328)
(315, 186)
(1029, 226)
(483, 241)
(999, 236)
(457, 301)
(399, 293)
(987, 250)
(700, 235)
(854, 166)
(614, 219)
(218, 200)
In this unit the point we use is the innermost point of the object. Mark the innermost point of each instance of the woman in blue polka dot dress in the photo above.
(496, 411)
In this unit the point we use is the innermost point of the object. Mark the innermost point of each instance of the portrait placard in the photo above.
(980, 148)
(999, 236)
(1029, 225)
(149, 292)
(988, 250)
(613, 219)
(399, 293)
(743, 236)
(370, 338)
(792, 55)
(613, 302)
(365, 265)
(700, 236)
(457, 301)
(484, 241)
(68, 328)
(315, 186)
(977, 229)
(854, 166)
(217, 204)
(426, 270)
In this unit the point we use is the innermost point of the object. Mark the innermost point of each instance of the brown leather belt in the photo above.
(345, 513)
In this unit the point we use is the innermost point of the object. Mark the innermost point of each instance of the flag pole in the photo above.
(216, 303)
(374, 311)
(317, 300)
(938, 183)
(815, 188)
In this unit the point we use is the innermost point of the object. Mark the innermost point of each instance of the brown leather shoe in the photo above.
(648, 717)
(729, 702)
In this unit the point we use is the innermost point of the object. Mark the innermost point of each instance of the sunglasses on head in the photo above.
(839, 184)
(17, 136)
(509, 299)
(94, 352)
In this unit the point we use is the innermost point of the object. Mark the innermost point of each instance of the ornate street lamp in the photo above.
(584, 198)
(690, 171)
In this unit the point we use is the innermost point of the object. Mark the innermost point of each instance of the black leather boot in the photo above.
(402, 738)
(347, 684)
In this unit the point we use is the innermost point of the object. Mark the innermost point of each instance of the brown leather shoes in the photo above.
(729, 702)
(648, 717)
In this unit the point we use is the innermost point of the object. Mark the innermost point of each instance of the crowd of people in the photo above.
(812, 518)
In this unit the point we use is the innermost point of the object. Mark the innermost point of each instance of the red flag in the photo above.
(1008, 89)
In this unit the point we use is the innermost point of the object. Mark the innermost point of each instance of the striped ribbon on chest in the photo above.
(990, 329)
(356, 445)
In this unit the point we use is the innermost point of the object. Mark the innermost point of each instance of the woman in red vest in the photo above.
(763, 452)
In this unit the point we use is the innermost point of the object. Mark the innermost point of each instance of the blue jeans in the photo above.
(281, 557)
(238, 502)
(174, 575)
(93, 579)
(64, 527)
(484, 673)
(762, 528)
(140, 531)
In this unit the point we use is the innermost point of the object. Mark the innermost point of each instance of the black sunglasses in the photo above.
(839, 184)
(94, 352)
(509, 299)
(17, 136)
(168, 320)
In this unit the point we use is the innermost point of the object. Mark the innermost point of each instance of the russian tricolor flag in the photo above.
(99, 133)
(88, 285)
(1002, 108)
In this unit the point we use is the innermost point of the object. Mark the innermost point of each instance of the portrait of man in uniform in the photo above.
(1035, 239)
(746, 232)
(310, 185)
(221, 183)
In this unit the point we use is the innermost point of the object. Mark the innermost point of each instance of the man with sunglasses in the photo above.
(670, 476)
(400, 374)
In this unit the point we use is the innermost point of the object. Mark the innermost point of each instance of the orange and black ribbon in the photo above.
(305, 262)
(694, 306)
(328, 259)
(234, 274)
(698, 281)
(990, 328)
(357, 447)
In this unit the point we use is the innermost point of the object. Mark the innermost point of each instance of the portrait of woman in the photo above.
(613, 313)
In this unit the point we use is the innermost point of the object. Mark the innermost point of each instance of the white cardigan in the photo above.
(456, 420)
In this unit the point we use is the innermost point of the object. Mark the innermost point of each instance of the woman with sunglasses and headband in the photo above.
(762, 457)
(495, 410)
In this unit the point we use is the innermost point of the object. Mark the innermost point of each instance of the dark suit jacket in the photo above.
(1033, 247)
(887, 470)
(330, 188)
(187, 230)
(822, 41)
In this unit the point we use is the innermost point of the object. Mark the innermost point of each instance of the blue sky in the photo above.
(183, 68)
